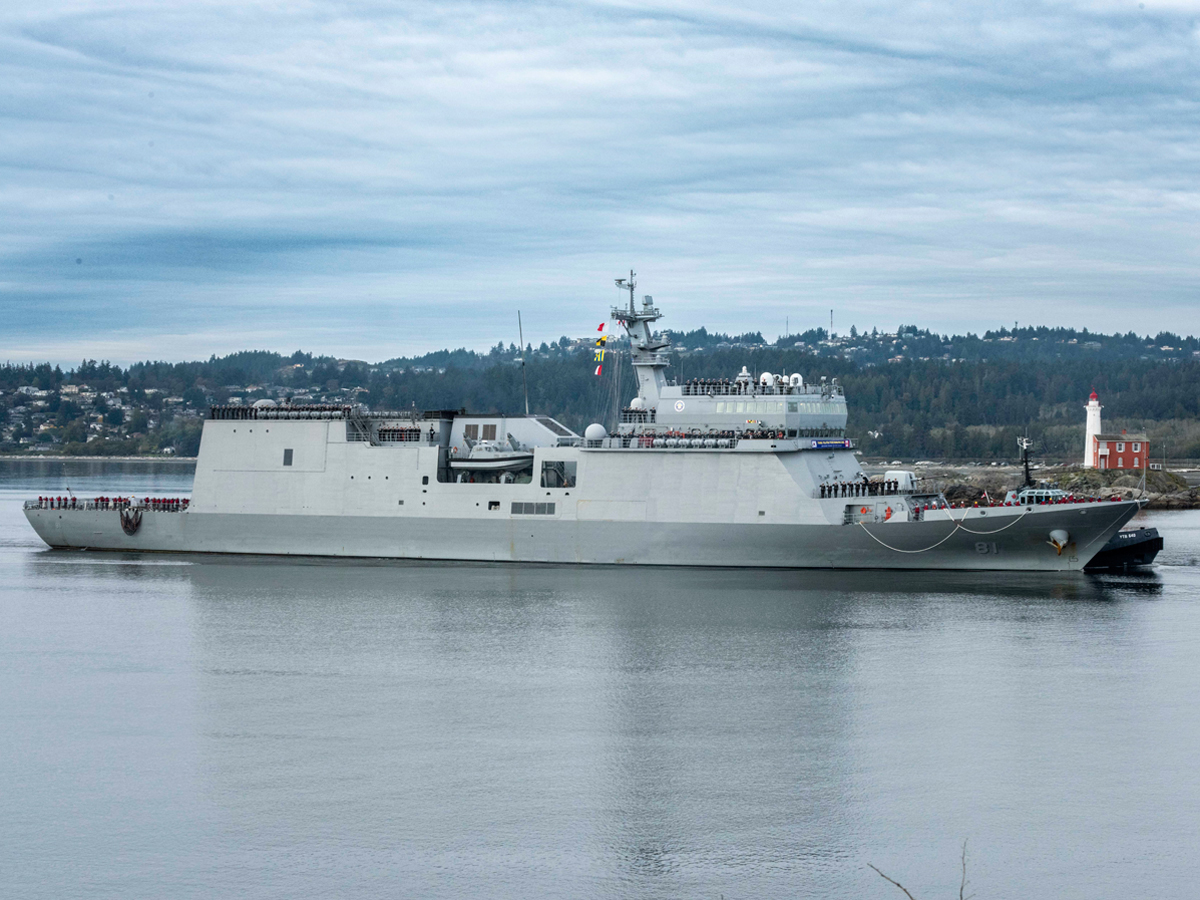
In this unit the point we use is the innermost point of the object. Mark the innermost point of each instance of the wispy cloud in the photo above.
(372, 179)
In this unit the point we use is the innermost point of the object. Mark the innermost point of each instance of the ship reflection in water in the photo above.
(190, 725)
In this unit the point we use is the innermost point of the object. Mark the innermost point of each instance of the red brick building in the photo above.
(1120, 451)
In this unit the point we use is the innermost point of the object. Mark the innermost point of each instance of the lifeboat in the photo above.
(493, 456)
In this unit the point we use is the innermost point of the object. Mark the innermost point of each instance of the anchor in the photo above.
(131, 520)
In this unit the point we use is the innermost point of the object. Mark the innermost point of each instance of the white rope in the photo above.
(925, 550)
(957, 526)
(998, 530)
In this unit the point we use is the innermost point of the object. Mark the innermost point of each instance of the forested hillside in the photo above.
(912, 394)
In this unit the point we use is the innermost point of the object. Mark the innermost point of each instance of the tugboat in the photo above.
(1126, 550)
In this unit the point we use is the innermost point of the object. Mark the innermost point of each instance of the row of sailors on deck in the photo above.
(747, 435)
(860, 488)
(166, 504)
(717, 386)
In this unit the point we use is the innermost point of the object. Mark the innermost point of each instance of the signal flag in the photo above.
(598, 368)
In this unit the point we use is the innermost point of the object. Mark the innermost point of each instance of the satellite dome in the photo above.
(637, 403)
(594, 432)
(265, 404)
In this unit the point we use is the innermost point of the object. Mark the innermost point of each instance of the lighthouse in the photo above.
(1093, 431)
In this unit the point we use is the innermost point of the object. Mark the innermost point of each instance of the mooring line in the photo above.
(957, 526)
(925, 550)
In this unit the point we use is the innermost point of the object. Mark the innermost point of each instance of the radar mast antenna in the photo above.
(1025, 443)
(628, 285)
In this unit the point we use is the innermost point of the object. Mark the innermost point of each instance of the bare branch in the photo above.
(963, 887)
(896, 883)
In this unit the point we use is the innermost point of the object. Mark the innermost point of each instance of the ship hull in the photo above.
(1008, 540)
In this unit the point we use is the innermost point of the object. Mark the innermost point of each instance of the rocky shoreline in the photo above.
(971, 483)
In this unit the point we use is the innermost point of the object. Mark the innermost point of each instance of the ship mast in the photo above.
(1025, 443)
(649, 362)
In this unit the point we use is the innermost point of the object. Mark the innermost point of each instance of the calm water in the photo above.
(172, 727)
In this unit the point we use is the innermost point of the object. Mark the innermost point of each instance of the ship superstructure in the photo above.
(755, 470)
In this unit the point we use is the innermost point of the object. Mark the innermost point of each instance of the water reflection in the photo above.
(262, 726)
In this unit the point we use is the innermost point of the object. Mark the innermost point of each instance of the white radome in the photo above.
(595, 432)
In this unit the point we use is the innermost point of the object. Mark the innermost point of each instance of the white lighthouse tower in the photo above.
(1093, 430)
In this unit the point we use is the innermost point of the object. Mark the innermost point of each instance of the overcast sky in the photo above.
(377, 179)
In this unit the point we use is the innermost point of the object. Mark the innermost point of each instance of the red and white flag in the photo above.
(598, 368)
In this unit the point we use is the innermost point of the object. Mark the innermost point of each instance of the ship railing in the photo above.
(631, 416)
(651, 359)
(663, 442)
(115, 504)
(403, 435)
(807, 438)
(242, 413)
(711, 387)
(646, 313)
(860, 490)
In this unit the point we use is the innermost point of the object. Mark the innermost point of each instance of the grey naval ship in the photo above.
(752, 471)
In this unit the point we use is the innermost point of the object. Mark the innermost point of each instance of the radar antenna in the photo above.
(628, 284)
